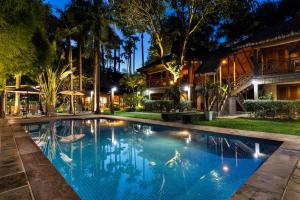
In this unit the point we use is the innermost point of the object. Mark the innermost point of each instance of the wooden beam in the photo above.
(242, 66)
(220, 74)
(249, 61)
(234, 72)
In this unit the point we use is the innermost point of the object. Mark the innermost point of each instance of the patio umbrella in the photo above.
(26, 90)
(72, 93)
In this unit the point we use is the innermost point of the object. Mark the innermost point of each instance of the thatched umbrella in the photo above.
(72, 93)
(26, 90)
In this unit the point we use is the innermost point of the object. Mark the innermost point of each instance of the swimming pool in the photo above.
(109, 159)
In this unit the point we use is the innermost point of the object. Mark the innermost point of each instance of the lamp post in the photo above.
(112, 100)
(188, 90)
(92, 102)
(148, 92)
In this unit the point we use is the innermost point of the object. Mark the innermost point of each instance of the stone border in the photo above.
(277, 178)
(35, 177)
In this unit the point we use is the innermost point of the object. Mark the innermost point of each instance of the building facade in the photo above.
(266, 64)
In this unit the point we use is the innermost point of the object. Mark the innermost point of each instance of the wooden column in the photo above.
(262, 61)
(220, 75)
(228, 71)
(234, 71)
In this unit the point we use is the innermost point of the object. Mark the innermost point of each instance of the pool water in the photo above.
(104, 159)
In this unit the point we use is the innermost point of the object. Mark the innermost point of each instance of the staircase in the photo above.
(242, 83)
(230, 97)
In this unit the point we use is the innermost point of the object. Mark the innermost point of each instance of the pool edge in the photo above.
(270, 181)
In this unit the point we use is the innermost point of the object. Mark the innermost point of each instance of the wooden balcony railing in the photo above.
(279, 67)
(158, 83)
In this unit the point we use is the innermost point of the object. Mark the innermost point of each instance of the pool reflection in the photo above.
(122, 160)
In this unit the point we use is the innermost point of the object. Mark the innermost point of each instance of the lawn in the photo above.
(273, 126)
(143, 115)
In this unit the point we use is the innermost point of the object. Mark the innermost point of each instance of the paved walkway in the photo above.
(25, 173)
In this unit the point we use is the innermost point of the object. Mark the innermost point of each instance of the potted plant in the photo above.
(207, 89)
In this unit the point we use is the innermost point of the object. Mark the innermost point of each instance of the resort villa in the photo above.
(212, 113)
(267, 63)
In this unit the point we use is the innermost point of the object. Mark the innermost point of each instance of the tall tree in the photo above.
(23, 42)
(151, 15)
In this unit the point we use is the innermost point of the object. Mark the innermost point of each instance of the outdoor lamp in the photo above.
(187, 89)
(113, 89)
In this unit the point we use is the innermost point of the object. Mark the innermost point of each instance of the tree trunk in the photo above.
(70, 61)
(102, 67)
(133, 59)
(115, 59)
(142, 37)
(119, 59)
(130, 64)
(80, 66)
(96, 77)
(17, 95)
(2, 104)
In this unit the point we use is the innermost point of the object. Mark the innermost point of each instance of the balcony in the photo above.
(152, 83)
(273, 67)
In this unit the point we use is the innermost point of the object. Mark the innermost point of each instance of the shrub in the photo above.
(116, 107)
(185, 105)
(158, 105)
(165, 105)
(270, 108)
(129, 109)
(170, 117)
(192, 117)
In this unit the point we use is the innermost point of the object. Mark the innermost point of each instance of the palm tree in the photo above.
(68, 30)
(81, 9)
(50, 81)
(142, 43)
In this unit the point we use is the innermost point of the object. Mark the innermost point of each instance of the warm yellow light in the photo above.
(225, 168)
(113, 123)
(224, 62)
(171, 82)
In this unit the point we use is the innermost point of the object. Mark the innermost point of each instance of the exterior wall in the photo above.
(288, 91)
(271, 88)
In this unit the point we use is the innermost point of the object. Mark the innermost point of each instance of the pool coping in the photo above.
(275, 179)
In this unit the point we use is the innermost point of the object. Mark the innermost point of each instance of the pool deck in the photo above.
(26, 173)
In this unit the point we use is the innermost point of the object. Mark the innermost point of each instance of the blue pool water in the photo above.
(106, 160)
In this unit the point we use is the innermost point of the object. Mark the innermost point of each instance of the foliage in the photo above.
(158, 105)
(208, 90)
(174, 94)
(23, 42)
(165, 105)
(170, 117)
(192, 117)
(135, 85)
(151, 16)
(267, 97)
(269, 108)
(50, 81)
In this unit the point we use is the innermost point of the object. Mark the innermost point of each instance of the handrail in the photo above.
(279, 66)
(241, 81)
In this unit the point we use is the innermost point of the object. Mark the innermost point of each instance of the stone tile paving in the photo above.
(13, 181)
(25, 173)
(278, 178)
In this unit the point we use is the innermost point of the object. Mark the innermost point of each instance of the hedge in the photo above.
(274, 109)
(164, 105)
(176, 116)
